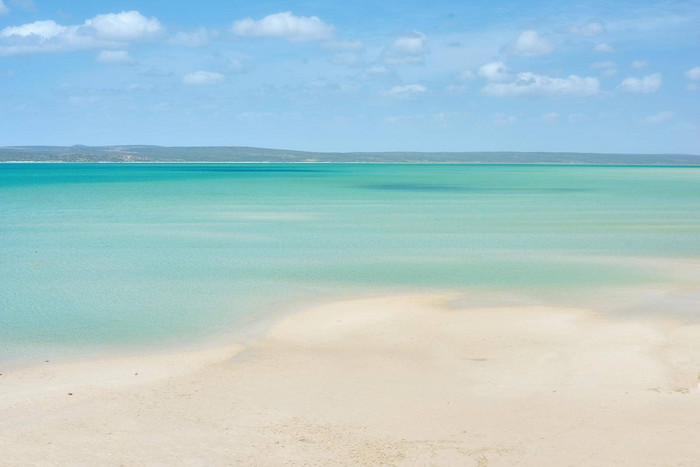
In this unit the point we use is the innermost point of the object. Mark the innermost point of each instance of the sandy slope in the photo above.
(401, 380)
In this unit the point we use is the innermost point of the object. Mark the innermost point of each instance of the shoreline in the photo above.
(404, 379)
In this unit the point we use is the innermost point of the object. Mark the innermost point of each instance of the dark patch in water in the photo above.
(244, 169)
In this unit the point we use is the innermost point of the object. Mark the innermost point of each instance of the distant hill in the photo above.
(245, 154)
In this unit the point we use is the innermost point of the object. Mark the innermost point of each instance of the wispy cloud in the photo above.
(284, 25)
(203, 78)
(645, 85)
(531, 84)
(405, 92)
(606, 68)
(693, 75)
(590, 29)
(603, 49)
(3, 8)
(660, 117)
(639, 64)
(114, 57)
(199, 38)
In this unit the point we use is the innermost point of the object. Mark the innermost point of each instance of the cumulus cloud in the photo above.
(199, 38)
(591, 29)
(203, 78)
(603, 49)
(494, 71)
(3, 8)
(530, 44)
(284, 25)
(102, 31)
(409, 48)
(660, 117)
(531, 84)
(405, 92)
(114, 57)
(124, 26)
(646, 85)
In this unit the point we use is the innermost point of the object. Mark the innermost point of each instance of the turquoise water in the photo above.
(107, 256)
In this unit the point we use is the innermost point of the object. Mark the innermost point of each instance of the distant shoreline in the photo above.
(568, 164)
(236, 154)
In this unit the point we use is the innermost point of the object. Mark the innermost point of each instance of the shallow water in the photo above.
(108, 256)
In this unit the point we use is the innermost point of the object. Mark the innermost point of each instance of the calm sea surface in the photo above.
(97, 257)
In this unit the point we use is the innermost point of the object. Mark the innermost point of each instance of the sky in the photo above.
(325, 75)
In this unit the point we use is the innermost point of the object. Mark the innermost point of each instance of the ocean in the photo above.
(99, 258)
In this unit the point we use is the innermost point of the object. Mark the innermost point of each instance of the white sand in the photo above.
(401, 380)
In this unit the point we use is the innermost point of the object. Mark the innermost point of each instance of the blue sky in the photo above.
(588, 76)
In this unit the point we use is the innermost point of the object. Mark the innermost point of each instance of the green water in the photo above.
(106, 256)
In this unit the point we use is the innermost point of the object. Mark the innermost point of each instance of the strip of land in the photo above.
(135, 153)
(408, 380)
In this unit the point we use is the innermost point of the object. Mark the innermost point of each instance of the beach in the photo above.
(421, 379)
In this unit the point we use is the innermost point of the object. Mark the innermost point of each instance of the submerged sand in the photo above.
(409, 380)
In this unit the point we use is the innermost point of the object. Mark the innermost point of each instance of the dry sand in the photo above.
(404, 380)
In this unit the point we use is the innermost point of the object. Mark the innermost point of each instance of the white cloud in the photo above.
(550, 117)
(3, 8)
(693, 74)
(530, 44)
(405, 92)
(494, 71)
(284, 25)
(606, 68)
(531, 84)
(203, 78)
(114, 57)
(40, 29)
(660, 117)
(409, 48)
(124, 26)
(591, 29)
(102, 31)
(639, 64)
(603, 48)
(199, 38)
(378, 73)
(646, 85)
